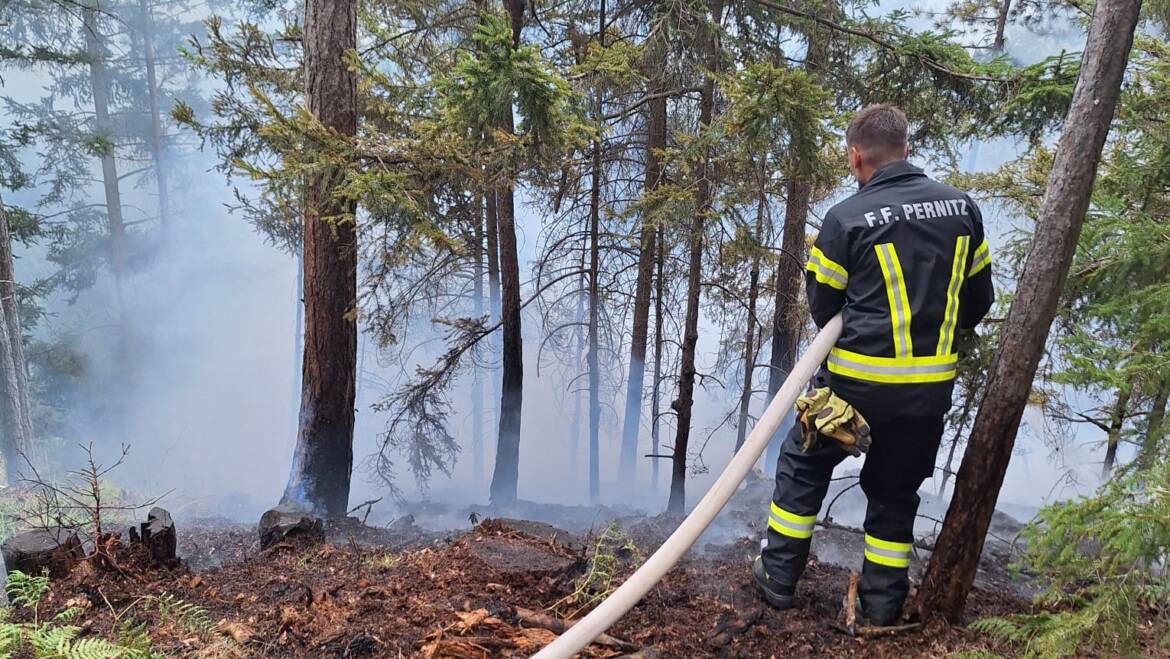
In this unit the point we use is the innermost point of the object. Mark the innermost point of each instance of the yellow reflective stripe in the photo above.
(893, 370)
(878, 543)
(981, 260)
(791, 524)
(899, 301)
(885, 552)
(875, 557)
(946, 333)
(826, 270)
(792, 517)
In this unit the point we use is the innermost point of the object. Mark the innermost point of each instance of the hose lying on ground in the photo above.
(640, 583)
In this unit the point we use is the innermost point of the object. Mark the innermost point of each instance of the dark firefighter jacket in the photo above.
(906, 260)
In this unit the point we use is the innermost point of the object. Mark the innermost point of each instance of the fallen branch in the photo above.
(558, 626)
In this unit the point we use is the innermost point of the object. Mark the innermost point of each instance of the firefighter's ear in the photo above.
(856, 159)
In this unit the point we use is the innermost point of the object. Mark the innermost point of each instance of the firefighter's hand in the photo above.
(824, 414)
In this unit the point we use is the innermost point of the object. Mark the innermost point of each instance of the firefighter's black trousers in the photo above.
(900, 458)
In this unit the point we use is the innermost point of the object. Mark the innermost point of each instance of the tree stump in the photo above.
(286, 520)
(157, 535)
(56, 550)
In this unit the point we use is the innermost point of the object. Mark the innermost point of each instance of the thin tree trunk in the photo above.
(594, 289)
(1155, 425)
(655, 396)
(157, 150)
(655, 142)
(952, 567)
(477, 377)
(579, 319)
(1001, 18)
(493, 273)
(703, 195)
(323, 457)
(100, 86)
(749, 335)
(1116, 423)
(14, 399)
(506, 476)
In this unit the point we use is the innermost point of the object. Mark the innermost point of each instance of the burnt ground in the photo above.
(496, 589)
(363, 593)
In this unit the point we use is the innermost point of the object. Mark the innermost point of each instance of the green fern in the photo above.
(191, 617)
(26, 590)
(55, 638)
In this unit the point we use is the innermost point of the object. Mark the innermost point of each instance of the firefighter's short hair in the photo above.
(879, 131)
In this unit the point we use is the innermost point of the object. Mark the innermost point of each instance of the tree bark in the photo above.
(323, 457)
(100, 87)
(655, 141)
(1005, 6)
(703, 196)
(951, 571)
(157, 150)
(14, 399)
(1116, 423)
(507, 470)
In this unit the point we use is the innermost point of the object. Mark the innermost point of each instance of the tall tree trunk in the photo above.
(477, 376)
(493, 275)
(1001, 18)
(1155, 425)
(656, 394)
(749, 335)
(157, 149)
(507, 470)
(655, 142)
(100, 86)
(703, 196)
(788, 277)
(15, 418)
(594, 289)
(951, 571)
(323, 457)
(1116, 423)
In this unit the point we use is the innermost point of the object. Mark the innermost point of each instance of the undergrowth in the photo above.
(56, 637)
(609, 550)
(1103, 563)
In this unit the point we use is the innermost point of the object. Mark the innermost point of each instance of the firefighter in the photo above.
(906, 262)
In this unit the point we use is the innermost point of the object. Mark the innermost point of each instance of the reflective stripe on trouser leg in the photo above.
(887, 553)
(790, 524)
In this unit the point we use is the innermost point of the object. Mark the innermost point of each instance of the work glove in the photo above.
(824, 414)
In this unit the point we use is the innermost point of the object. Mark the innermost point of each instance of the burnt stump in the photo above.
(56, 550)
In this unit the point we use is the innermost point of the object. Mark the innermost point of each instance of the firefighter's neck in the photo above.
(863, 166)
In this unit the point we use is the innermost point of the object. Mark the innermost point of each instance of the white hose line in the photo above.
(640, 583)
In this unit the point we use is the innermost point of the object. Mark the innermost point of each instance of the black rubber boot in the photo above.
(777, 595)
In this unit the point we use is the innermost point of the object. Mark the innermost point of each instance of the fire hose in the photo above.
(635, 588)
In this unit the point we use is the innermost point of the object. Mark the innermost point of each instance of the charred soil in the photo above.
(497, 590)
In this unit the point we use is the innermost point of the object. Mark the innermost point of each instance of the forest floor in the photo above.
(481, 593)
(495, 589)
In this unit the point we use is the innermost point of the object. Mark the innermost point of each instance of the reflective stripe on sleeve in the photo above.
(885, 552)
(892, 370)
(946, 333)
(981, 260)
(826, 270)
(899, 300)
(791, 524)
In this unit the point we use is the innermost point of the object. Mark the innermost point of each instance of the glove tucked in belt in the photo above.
(824, 414)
